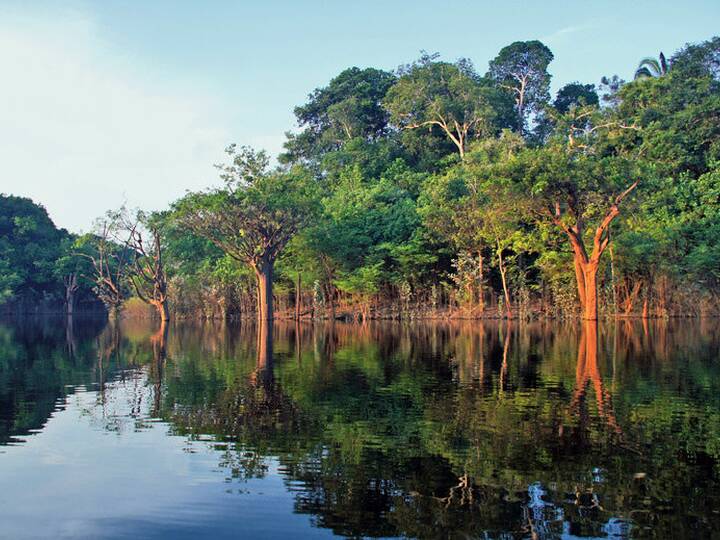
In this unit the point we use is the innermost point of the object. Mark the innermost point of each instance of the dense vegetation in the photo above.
(436, 189)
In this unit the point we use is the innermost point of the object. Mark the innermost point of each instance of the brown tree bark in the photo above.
(298, 297)
(264, 275)
(163, 311)
(586, 265)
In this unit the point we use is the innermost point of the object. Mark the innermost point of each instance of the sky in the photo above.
(112, 102)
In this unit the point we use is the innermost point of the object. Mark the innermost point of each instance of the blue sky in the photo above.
(108, 101)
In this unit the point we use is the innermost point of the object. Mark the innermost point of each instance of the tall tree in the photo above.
(699, 59)
(254, 216)
(521, 69)
(450, 97)
(348, 107)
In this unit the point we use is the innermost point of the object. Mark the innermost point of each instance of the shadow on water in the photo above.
(424, 430)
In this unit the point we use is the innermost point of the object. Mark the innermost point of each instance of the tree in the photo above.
(448, 96)
(574, 95)
(698, 60)
(254, 216)
(73, 271)
(568, 188)
(521, 69)
(147, 273)
(109, 259)
(456, 206)
(348, 107)
(651, 67)
(29, 246)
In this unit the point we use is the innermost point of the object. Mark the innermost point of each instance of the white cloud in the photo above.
(82, 128)
(566, 31)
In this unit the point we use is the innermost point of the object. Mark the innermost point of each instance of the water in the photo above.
(413, 430)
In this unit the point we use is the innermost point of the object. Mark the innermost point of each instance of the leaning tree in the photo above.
(254, 216)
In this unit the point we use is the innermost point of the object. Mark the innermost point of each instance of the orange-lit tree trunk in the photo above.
(587, 264)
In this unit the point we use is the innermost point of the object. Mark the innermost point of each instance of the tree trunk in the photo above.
(580, 278)
(590, 310)
(114, 312)
(264, 274)
(612, 280)
(481, 292)
(71, 286)
(163, 311)
(70, 300)
(586, 266)
(503, 272)
(298, 297)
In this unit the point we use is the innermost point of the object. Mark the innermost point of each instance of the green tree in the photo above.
(348, 107)
(574, 95)
(451, 97)
(569, 189)
(521, 69)
(254, 216)
(29, 246)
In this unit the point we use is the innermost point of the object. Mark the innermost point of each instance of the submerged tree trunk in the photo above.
(264, 274)
(71, 287)
(590, 271)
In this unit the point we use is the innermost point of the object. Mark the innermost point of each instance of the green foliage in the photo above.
(521, 70)
(449, 97)
(400, 179)
(30, 245)
(575, 95)
(349, 107)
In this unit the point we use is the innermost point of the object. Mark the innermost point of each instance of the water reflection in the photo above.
(426, 430)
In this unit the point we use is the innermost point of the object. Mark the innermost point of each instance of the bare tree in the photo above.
(147, 272)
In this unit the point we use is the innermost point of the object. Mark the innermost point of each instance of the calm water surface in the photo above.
(389, 430)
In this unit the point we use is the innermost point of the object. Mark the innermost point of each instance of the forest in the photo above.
(432, 191)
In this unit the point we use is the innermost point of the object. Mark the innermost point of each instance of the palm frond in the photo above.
(643, 73)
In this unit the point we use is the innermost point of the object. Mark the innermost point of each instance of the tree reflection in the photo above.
(587, 373)
(447, 429)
